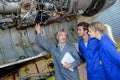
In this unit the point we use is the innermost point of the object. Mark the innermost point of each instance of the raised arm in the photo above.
(40, 39)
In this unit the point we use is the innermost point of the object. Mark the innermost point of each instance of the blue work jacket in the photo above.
(110, 58)
(90, 53)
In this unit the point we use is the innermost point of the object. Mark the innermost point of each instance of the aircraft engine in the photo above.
(23, 13)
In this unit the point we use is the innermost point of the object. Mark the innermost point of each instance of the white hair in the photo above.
(60, 32)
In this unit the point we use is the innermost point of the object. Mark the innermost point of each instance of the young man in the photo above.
(62, 70)
(88, 49)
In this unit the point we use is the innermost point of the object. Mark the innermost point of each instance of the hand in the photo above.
(33, 1)
(67, 65)
(37, 28)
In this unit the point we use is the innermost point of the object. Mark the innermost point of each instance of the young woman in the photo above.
(107, 50)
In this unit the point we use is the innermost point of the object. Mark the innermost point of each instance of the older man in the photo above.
(63, 70)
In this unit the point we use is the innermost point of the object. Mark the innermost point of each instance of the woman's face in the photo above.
(92, 33)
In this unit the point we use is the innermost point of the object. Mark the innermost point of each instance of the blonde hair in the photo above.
(98, 26)
(109, 32)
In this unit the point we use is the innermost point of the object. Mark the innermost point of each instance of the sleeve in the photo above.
(92, 48)
(77, 61)
(79, 48)
(112, 54)
(92, 45)
(80, 53)
(43, 43)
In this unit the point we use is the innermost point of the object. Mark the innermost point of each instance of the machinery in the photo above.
(24, 13)
(18, 45)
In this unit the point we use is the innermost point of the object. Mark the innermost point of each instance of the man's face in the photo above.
(81, 31)
(61, 37)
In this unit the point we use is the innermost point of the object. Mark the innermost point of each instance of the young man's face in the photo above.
(81, 32)
(61, 37)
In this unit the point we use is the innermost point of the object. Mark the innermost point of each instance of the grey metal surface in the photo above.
(17, 46)
(8, 7)
(24, 13)
(112, 17)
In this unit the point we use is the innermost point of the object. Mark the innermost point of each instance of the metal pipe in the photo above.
(36, 67)
(30, 11)
(8, 8)
(35, 75)
(70, 9)
(4, 2)
(52, 19)
(28, 14)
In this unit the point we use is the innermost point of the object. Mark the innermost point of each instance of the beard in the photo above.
(62, 41)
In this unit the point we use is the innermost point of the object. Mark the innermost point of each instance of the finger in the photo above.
(37, 25)
(65, 62)
(65, 66)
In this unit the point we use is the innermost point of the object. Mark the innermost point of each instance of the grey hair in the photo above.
(62, 30)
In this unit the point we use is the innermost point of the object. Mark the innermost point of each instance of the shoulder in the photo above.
(54, 45)
(93, 41)
(106, 41)
(70, 45)
(80, 41)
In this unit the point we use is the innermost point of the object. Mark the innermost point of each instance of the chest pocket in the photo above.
(56, 53)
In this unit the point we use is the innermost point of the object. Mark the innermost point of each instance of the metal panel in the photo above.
(7, 46)
(15, 37)
(112, 17)
(32, 40)
(17, 46)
